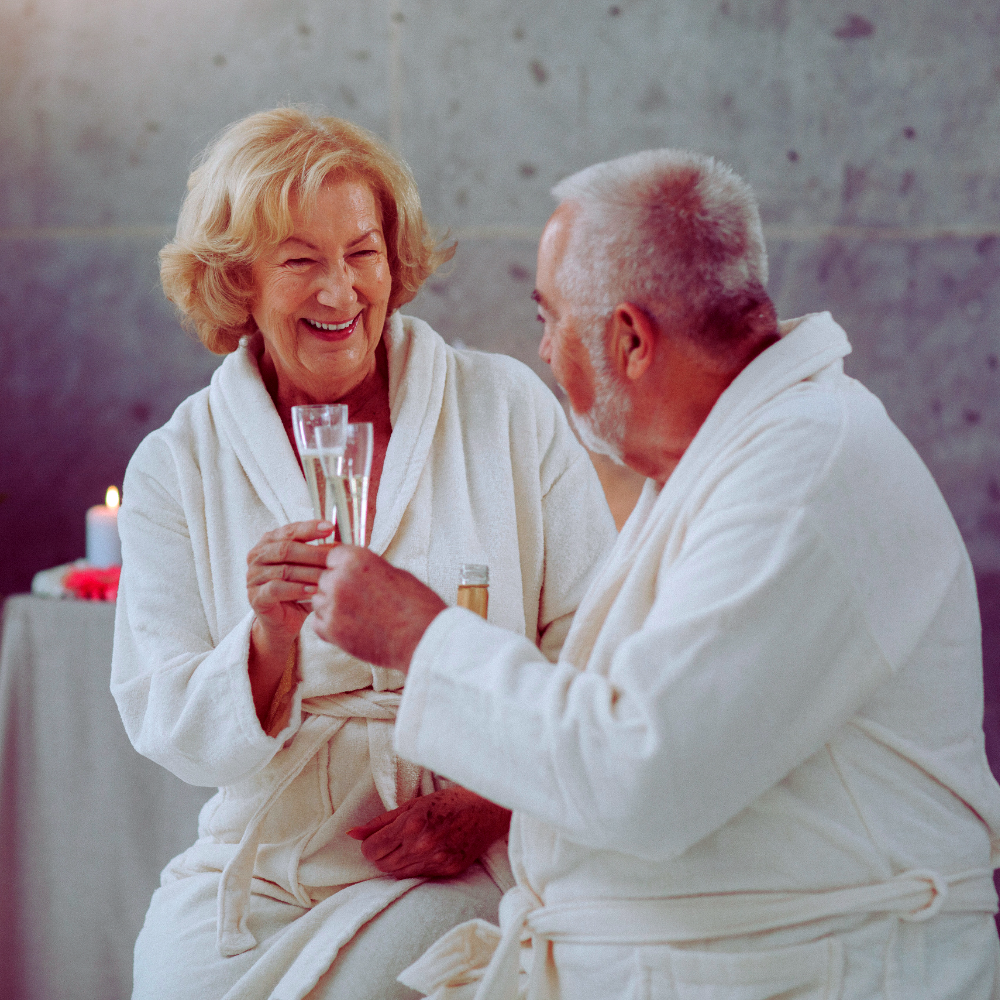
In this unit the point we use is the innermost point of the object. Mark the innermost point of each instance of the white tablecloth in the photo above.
(86, 824)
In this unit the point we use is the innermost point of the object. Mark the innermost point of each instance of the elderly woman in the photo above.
(298, 240)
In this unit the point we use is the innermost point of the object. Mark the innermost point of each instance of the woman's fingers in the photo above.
(283, 570)
(280, 591)
(287, 544)
(259, 574)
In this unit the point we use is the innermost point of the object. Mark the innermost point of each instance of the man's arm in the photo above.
(755, 651)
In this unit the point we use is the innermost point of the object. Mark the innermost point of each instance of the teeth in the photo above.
(330, 326)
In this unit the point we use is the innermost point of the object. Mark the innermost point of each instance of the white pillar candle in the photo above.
(103, 545)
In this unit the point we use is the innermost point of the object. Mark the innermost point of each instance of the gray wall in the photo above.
(868, 127)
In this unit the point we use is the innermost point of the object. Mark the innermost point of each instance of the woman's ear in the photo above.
(632, 341)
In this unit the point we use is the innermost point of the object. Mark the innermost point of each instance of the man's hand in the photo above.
(372, 610)
(435, 835)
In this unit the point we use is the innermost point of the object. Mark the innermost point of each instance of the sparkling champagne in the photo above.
(350, 495)
(320, 489)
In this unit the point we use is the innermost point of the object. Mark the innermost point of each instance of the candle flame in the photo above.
(112, 498)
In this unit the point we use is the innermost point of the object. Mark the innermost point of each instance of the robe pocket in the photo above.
(811, 971)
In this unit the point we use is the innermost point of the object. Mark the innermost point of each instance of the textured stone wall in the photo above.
(869, 130)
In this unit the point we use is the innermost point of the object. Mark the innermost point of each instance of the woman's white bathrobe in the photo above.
(771, 693)
(481, 467)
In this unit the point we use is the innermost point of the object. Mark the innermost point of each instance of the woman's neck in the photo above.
(365, 401)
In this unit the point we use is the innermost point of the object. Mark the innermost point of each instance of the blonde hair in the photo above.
(238, 206)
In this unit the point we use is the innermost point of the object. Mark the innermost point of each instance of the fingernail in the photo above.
(309, 589)
(324, 526)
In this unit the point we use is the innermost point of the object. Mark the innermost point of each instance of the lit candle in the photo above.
(103, 545)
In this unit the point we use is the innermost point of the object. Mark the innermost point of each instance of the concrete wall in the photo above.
(868, 127)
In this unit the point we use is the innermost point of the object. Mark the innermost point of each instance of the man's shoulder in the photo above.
(825, 435)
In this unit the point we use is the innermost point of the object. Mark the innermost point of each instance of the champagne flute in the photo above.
(348, 472)
(331, 418)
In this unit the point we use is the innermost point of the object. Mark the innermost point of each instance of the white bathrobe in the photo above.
(482, 468)
(758, 768)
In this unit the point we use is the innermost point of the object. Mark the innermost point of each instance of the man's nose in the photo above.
(336, 289)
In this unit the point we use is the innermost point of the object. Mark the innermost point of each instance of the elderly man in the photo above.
(757, 769)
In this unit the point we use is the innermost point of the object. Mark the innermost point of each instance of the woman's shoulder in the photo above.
(194, 421)
(181, 430)
(498, 377)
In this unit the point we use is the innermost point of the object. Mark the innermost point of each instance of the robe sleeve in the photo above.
(755, 651)
(184, 696)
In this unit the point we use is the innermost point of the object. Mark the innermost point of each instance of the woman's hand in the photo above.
(435, 835)
(282, 570)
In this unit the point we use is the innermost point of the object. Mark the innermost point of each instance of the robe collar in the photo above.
(246, 416)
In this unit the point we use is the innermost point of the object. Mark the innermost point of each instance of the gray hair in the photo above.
(675, 233)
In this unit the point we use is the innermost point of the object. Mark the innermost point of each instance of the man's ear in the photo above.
(632, 341)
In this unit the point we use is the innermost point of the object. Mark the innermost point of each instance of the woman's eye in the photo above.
(298, 261)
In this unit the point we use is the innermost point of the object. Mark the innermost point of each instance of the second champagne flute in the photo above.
(348, 473)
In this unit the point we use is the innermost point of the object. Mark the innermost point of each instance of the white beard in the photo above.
(602, 428)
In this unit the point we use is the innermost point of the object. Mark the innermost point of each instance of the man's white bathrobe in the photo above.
(758, 768)
(482, 468)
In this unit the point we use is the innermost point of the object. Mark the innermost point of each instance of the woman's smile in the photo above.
(332, 331)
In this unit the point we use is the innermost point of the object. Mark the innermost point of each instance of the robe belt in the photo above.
(396, 780)
(911, 896)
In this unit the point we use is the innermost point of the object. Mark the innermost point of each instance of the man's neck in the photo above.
(675, 398)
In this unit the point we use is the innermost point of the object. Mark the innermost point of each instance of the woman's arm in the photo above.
(282, 573)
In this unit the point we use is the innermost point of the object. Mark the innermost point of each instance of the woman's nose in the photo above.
(336, 288)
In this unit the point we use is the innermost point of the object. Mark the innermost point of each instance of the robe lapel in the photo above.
(245, 414)
(417, 369)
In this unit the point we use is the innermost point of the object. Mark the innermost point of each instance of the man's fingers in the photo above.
(438, 866)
